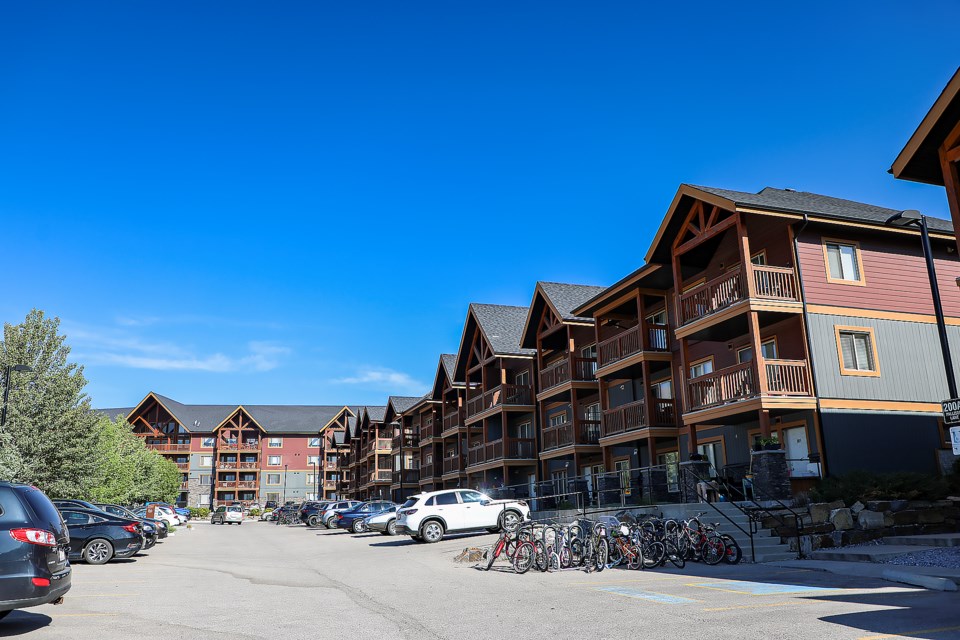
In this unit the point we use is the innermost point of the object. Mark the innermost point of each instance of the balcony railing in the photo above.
(564, 435)
(777, 283)
(629, 342)
(247, 484)
(452, 464)
(239, 446)
(381, 476)
(567, 369)
(183, 466)
(632, 416)
(409, 442)
(331, 464)
(784, 378)
(169, 446)
(426, 471)
(504, 395)
(426, 429)
(410, 476)
(184, 486)
(475, 455)
(453, 420)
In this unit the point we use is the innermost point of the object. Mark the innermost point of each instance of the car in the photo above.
(310, 513)
(150, 529)
(354, 519)
(227, 515)
(327, 514)
(266, 514)
(428, 517)
(270, 504)
(183, 512)
(97, 537)
(163, 513)
(384, 522)
(34, 544)
(165, 525)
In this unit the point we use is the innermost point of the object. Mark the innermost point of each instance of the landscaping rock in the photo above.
(888, 520)
(898, 505)
(841, 519)
(868, 520)
(820, 512)
(920, 504)
(906, 517)
(857, 507)
(931, 516)
(878, 505)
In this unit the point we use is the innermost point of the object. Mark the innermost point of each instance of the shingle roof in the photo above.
(567, 297)
(503, 326)
(402, 403)
(339, 437)
(376, 413)
(113, 412)
(449, 361)
(791, 201)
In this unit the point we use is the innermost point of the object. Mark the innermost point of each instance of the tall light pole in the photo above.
(10, 368)
(285, 484)
(915, 218)
(315, 483)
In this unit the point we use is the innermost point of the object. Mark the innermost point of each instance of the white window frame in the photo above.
(206, 461)
(274, 464)
(270, 476)
(274, 442)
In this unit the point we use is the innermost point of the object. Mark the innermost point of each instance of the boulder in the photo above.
(920, 504)
(931, 516)
(905, 517)
(898, 505)
(841, 519)
(868, 520)
(820, 512)
(888, 520)
(878, 505)
(857, 507)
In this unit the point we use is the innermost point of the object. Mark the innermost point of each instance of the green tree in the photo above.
(51, 436)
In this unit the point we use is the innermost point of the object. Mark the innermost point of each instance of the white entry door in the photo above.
(795, 443)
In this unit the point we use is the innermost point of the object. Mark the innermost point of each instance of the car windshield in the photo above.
(234, 509)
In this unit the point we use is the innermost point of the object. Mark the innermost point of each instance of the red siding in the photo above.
(895, 273)
(295, 452)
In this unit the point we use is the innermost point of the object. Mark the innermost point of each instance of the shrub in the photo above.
(199, 512)
(864, 485)
(254, 513)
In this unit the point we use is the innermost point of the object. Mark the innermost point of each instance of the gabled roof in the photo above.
(204, 418)
(822, 208)
(449, 362)
(397, 405)
(373, 414)
(562, 299)
(919, 160)
(502, 328)
(446, 371)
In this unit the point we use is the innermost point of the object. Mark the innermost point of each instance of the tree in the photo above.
(51, 434)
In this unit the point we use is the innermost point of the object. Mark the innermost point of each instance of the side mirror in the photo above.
(485, 502)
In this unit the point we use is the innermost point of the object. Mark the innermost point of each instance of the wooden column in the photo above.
(652, 447)
(647, 396)
(765, 423)
(949, 158)
(759, 366)
(692, 439)
(744, 247)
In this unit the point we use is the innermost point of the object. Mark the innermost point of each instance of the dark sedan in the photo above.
(33, 549)
(354, 519)
(96, 537)
(152, 531)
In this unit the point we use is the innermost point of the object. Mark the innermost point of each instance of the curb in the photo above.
(919, 580)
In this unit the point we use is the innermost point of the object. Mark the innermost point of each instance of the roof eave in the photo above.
(901, 167)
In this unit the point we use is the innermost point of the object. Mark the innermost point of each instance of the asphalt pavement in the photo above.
(260, 580)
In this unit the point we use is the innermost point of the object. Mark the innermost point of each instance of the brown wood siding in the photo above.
(895, 272)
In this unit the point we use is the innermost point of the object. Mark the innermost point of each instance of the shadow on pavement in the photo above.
(20, 622)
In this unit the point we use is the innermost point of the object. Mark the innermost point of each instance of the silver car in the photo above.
(385, 522)
(227, 515)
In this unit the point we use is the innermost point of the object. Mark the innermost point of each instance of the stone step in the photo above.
(931, 540)
(773, 557)
(869, 553)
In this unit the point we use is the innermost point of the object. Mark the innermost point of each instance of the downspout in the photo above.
(806, 332)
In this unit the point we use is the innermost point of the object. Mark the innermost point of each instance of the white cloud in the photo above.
(383, 378)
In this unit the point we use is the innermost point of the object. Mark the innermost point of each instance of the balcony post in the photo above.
(692, 439)
(765, 423)
(642, 318)
(647, 396)
(744, 246)
(759, 368)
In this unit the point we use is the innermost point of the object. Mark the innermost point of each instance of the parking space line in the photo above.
(908, 633)
(760, 588)
(83, 615)
(765, 604)
(103, 595)
(652, 596)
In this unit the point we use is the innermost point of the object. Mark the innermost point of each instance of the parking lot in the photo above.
(260, 580)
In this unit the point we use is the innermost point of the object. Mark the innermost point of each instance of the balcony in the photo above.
(504, 395)
(164, 447)
(772, 283)
(381, 476)
(183, 466)
(184, 486)
(409, 442)
(247, 484)
(568, 369)
(566, 434)
(633, 416)
(250, 445)
(740, 382)
(410, 476)
(426, 429)
(426, 471)
(630, 342)
(452, 464)
(332, 464)
(493, 451)
(453, 420)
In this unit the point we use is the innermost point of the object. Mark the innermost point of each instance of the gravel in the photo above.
(948, 557)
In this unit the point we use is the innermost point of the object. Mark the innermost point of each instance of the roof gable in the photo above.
(562, 299)
(446, 370)
(919, 160)
(501, 327)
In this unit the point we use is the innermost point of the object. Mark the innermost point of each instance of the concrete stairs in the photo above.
(766, 546)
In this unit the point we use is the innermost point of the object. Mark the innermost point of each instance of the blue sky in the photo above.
(295, 202)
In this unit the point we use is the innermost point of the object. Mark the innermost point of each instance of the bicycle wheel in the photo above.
(653, 553)
(733, 554)
(493, 553)
(674, 555)
(564, 557)
(713, 549)
(541, 559)
(635, 559)
(615, 555)
(554, 562)
(525, 557)
(576, 553)
(603, 554)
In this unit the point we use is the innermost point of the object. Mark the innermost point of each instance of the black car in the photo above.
(151, 530)
(96, 537)
(310, 512)
(33, 549)
(270, 504)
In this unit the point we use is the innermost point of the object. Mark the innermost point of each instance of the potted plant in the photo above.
(769, 444)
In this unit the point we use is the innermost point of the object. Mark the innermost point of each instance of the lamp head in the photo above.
(22, 367)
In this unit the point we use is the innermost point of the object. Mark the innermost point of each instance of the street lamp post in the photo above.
(10, 368)
(913, 217)
(285, 484)
(315, 483)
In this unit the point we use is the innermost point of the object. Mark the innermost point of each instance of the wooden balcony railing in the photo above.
(426, 429)
(504, 395)
(710, 297)
(475, 455)
(239, 446)
(410, 476)
(626, 417)
(564, 435)
(452, 464)
(169, 446)
(723, 386)
(775, 282)
(381, 476)
(183, 466)
(567, 369)
(409, 441)
(453, 420)
(493, 450)
(184, 486)
(628, 342)
(787, 377)
(522, 449)
(331, 464)
(247, 484)
(426, 471)
(226, 465)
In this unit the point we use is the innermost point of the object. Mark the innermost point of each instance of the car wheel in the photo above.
(357, 526)
(509, 520)
(431, 531)
(392, 528)
(239, 523)
(313, 521)
(4, 614)
(98, 551)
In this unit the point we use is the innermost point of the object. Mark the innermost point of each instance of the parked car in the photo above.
(427, 517)
(329, 512)
(270, 504)
(227, 515)
(166, 525)
(310, 513)
(33, 549)
(355, 519)
(162, 513)
(267, 515)
(183, 512)
(151, 530)
(384, 522)
(97, 537)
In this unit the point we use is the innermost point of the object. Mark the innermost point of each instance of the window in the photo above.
(273, 461)
(273, 478)
(273, 497)
(313, 460)
(311, 479)
(701, 368)
(713, 453)
(759, 258)
(207, 441)
(204, 499)
(662, 390)
(525, 430)
(446, 498)
(592, 412)
(768, 348)
(274, 443)
(331, 458)
(658, 317)
(206, 461)
(843, 262)
(857, 351)
(558, 419)
(205, 480)
(522, 378)
(313, 442)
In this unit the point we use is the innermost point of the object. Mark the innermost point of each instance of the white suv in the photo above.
(426, 517)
